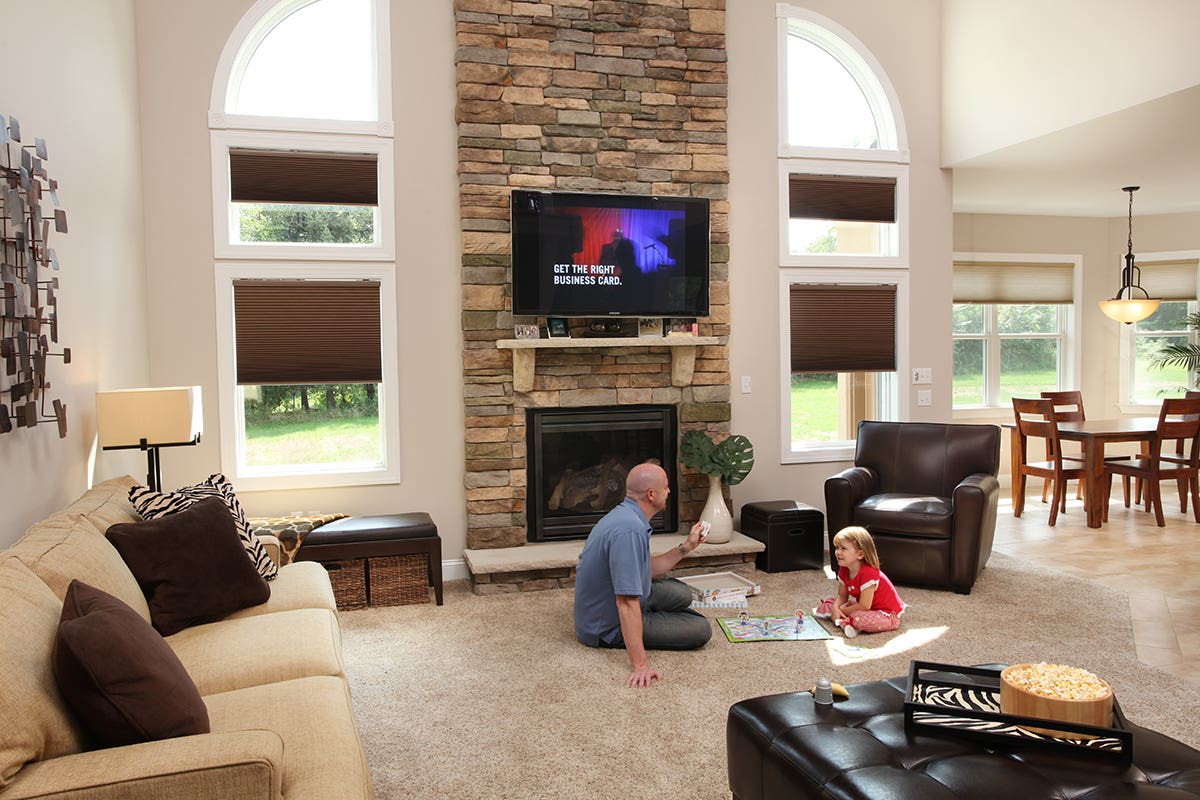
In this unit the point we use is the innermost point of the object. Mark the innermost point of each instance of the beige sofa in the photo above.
(271, 677)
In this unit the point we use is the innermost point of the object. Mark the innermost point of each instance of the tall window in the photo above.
(1012, 323)
(303, 233)
(1172, 277)
(843, 194)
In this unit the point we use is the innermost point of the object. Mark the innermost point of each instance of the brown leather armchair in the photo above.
(928, 493)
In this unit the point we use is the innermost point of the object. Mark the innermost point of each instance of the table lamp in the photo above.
(149, 419)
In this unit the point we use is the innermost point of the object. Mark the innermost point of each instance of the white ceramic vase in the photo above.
(716, 513)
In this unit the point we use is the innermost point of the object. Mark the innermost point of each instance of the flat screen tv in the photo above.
(591, 255)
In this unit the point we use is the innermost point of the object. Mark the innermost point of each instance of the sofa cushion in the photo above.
(236, 653)
(322, 755)
(301, 584)
(124, 683)
(67, 546)
(191, 566)
(153, 505)
(34, 721)
(107, 503)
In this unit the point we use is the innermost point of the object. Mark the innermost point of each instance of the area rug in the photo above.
(492, 697)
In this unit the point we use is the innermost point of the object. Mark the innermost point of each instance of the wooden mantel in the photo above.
(683, 353)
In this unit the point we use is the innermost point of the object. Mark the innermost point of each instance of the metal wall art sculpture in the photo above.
(29, 303)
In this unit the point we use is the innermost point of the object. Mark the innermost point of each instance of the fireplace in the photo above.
(578, 459)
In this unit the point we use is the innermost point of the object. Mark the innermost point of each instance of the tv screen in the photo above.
(609, 255)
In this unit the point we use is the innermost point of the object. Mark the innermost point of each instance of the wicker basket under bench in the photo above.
(385, 560)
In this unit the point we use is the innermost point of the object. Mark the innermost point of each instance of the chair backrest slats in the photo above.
(1068, 405)
(1036, 417)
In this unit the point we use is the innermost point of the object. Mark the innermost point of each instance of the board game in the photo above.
(798, 627)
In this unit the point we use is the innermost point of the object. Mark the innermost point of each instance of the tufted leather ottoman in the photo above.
(787, 746)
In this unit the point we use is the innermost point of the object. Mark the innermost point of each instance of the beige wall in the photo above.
(70, 78)
(905, 39)
(179, 45)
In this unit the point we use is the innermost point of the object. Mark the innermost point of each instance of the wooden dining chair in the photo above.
(1036, 418)
(1181, 484)
(1068, 407)
(1179, 418)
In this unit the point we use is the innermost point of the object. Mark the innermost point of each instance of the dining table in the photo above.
(1093, 435)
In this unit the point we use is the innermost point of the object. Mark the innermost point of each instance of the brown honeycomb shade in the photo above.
(271, 176)
(307, 332)
(843, 327)
(842, 197)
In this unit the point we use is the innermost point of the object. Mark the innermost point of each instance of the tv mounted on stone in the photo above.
(593, 255)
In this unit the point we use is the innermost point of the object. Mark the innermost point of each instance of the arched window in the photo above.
(843, 197)
(303, 225)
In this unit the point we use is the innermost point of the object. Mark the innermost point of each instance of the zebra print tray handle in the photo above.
(947, 699)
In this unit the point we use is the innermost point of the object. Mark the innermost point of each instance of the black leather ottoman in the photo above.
(787, 746)
(386, 535)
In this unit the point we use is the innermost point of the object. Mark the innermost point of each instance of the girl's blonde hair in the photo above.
(860, 539)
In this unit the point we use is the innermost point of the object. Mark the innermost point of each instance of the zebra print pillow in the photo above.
(152, 505)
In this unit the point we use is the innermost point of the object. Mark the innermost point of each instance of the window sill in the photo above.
(261, 482)
(824, 452)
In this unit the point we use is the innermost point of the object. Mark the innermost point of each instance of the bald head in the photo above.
(643, 478)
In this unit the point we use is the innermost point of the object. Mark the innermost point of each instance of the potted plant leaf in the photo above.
(729, 460)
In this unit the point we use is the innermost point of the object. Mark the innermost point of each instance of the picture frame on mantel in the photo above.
(650, 328)
(556, 328)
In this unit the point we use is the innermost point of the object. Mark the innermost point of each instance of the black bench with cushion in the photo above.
(787, 746)
(376, 537)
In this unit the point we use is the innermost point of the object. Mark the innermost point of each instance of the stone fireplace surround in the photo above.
(581, 95)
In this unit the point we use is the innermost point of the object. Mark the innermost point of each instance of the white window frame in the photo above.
(262, 17)
(225, 214)
(863, 67)
(1069, 348)
(231, 410)
(819, 452)
(1128, 367)
(816, 167)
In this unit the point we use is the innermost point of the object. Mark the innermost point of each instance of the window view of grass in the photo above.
(317, 424)
(814, 407)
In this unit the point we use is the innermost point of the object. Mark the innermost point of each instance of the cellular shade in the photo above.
(1006, 282)
(307, 332)
(1169, 280)
(843, 327)
(273, 176)
(842, 197)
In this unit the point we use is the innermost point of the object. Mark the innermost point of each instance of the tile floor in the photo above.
(1156, 567)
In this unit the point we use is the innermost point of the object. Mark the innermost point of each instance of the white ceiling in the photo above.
(1051, 106)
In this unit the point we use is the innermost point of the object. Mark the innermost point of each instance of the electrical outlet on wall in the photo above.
(924, 397)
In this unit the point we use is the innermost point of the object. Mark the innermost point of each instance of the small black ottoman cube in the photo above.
(381, 542)
(793, 532)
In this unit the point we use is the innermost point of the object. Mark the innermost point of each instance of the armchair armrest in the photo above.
(273, 547)
(233, 765)
(975, 500)
(843, 492)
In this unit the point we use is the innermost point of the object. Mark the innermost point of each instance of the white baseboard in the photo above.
(455, 570)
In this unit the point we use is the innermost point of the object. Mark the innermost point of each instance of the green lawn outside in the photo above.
(312, 441)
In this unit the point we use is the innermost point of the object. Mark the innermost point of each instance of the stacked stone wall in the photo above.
(581, 95)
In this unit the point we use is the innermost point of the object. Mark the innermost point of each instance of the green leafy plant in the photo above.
(731, 459)
(1186, 355)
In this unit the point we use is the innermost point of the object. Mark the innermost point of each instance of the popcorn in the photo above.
(1058, 681)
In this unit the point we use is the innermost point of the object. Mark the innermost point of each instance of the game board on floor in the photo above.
(744, 628)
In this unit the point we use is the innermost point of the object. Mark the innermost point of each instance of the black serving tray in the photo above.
(952, 700)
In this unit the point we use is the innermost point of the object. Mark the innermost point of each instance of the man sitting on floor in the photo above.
(617, 604)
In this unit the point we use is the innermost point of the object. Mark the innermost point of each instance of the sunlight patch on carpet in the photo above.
(845, 651)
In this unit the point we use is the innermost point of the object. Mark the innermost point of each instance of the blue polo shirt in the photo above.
(615, 560)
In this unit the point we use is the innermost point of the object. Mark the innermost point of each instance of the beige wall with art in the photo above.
(179, 45)
(905, 40)
(70, 78)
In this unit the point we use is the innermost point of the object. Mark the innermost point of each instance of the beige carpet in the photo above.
(492, 697)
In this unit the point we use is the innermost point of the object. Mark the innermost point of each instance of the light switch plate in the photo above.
(922, 375)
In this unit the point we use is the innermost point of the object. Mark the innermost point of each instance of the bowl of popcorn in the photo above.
(1059, 693)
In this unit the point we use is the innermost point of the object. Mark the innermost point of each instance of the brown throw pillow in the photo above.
(124, 683)
(191, 566)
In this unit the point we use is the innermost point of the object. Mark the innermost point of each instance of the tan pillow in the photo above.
(34, 721)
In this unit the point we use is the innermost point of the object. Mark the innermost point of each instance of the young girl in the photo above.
(866, 599)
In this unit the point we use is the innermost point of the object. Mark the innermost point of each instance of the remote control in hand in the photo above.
(705, 527)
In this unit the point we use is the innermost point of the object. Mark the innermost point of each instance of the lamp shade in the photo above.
(162, 416)
(1129, 310)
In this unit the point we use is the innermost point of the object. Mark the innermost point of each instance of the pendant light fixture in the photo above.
(1131, 308)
